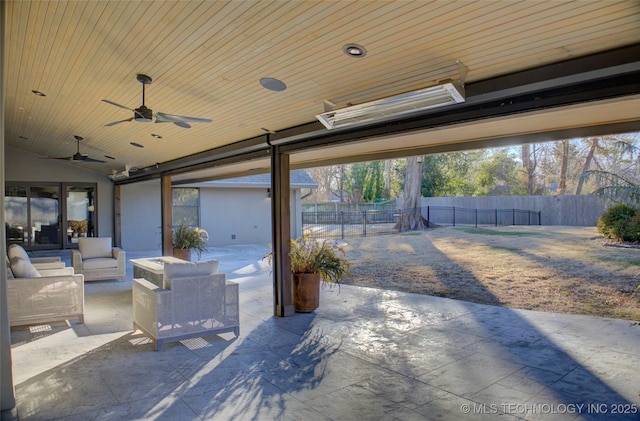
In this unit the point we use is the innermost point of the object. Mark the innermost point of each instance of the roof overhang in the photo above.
(595, 94)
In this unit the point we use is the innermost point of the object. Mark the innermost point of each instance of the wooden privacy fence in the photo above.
(344, 224)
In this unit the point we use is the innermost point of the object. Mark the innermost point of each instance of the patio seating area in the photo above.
(364, 354)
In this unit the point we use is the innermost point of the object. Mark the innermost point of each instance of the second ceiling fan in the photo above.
(144, 114)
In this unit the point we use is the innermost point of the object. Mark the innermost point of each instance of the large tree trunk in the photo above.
(411, 217)
(587, 163)
(387, 180)
(562, 188)
(529, 162)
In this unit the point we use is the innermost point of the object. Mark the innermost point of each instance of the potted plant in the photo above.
(312, 262)
(185, 239)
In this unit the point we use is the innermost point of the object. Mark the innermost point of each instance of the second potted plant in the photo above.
(185, 239)
(314, 262)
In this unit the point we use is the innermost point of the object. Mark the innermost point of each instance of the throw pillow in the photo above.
(16, 250)
(23, 269)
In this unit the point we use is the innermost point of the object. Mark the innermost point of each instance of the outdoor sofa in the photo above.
(41, 295)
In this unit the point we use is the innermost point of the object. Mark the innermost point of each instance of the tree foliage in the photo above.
(607, 166)
(613, 223)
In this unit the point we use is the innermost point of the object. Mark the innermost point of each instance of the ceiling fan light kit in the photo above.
(143, 114)
(448, 92)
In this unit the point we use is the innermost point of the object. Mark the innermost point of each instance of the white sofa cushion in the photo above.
(99, 263)
(16, 250)
(22, 268)
(92, 247)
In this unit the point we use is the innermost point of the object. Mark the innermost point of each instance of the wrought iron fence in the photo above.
(343, 224)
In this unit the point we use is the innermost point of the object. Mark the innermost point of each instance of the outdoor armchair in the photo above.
(196, 301)
(96, 259)
(43, 295)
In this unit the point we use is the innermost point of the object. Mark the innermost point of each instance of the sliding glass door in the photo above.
(81, 213)
(32, 215)
(49, 216)
(16, 222)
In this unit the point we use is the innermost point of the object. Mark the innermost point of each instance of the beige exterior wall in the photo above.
(225, 212)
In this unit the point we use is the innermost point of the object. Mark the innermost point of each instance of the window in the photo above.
(186, 206)
(43, 215)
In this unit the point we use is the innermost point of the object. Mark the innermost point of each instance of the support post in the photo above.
(117, 215)
(281, 233)
(167, 215)
(8, 408)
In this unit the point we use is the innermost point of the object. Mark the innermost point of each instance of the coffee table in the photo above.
(152, 268)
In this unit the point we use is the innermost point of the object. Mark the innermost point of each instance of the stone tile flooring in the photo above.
(365, 354)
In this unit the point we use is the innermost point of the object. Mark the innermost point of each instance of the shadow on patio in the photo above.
(365, 353)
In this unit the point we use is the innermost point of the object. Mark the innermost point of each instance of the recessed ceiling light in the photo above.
(354, 50)
(272, 84)
(137, 145)
(157, 136)
(38, 93)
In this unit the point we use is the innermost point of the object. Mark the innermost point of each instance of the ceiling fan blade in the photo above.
(61, 158)
(170, 118)
(87, 159)
(182, 124)
(113, 123)
(117, 105)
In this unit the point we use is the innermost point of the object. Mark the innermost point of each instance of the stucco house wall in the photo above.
(236, 211)
(141, 215)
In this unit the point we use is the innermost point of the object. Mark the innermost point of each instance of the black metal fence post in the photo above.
(342, 225)
(454, 216)
(364, 223)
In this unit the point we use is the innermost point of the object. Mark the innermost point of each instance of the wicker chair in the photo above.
(96, 259)
(197, 301)
(43, 295)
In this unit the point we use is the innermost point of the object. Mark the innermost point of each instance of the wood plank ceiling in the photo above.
(206, 59)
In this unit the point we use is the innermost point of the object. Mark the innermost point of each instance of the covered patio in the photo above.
(254, 75)
(364, 354)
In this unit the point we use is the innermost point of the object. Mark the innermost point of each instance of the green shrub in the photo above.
(612, 223)
(631, 228)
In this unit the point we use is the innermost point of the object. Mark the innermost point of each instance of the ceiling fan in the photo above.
(79, 157)
(144, 114)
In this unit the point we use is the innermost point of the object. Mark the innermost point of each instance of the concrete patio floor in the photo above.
(365, 354)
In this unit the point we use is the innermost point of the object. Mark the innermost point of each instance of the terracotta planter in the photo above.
(306, 292)
(184, 254)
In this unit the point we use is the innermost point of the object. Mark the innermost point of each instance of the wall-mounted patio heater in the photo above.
(447, 93)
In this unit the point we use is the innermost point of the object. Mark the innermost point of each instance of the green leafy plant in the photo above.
(631, 228)
(612, 223)
(309, 255)
(185, 237)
